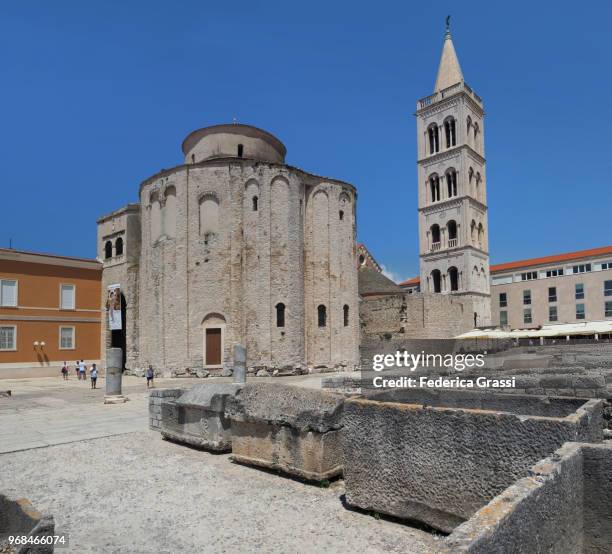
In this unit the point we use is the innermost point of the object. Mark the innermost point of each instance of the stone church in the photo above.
(234, 246)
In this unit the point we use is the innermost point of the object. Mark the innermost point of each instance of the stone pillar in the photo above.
(114, 362)
(239, 364)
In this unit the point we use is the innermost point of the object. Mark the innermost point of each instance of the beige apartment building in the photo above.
(564, 288)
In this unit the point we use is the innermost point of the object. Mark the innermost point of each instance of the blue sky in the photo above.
(97, 96)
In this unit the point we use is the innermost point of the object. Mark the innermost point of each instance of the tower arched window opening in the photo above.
(436, 280)
(453, 275)
(108, 250)
(434, 139)
(345, 314)
(451, 183)
(255, 203)
(434, 183)
(450, 132)
(119, 247)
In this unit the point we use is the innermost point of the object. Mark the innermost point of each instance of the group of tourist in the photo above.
(80, 370)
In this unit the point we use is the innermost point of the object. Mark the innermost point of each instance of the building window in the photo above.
(582, 268)
(554, 272)
(526, 297)
(435, 234)
(341, 215)
(552, 294)
(503, 318)
(255, 203)
(67, 338)
(345, 314)
(580, 311)
(453, 275)
(452, 233)
(529, 276)
(608, 309)
(503, 299)
(606, 265)
(8, 293)
(450, 132)
(434, 184)
(67, 297)
(322, 315)
(607, 288)
(8, 337)
(119, 247)
(579, 291)
(108, 250)
(436, 279)
(240, 150)
(434, 140)
(280, 315)
(527, 315)
(451, 183)
(552, 313)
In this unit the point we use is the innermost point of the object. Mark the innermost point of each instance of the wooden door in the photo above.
(213, 346)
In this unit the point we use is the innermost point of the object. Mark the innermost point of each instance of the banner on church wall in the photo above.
(113, 307)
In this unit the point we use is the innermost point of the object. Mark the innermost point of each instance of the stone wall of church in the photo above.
(224, 244)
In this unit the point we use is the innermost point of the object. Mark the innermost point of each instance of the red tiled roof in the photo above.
(413, 281)
(553, 259)
(578, 255)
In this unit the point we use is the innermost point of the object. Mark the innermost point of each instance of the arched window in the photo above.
(255, 203)
(209, 214)
(436, 280)
(435, 235)
(476, 131)
(473, 231)
(434, 185)
(108, 250)
(450, 132)
(362, 259)
(480, 234)
(280, 315)
(240, 150)
(119, 247)
(156, 217)
(477, 191)
(345, 313)
(169, 212)
(451, 226)
(451, 182)
(469, 126)
(470, 174)
(322, 315)
(434, 139)
(453, 275)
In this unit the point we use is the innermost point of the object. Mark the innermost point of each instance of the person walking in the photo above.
(82, 370)
(149, 374)
(76, 370)
(65, 371)
(94, 375)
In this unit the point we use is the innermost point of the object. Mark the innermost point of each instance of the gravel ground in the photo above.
(139, 493)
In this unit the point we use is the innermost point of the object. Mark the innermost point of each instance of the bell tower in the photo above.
(453, 226)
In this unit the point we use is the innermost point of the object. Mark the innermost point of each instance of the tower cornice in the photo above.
(450, 153)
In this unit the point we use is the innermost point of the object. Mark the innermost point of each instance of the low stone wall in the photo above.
(19, 518)
(156, 396)
(288, 428)
(197, 417)
(563, 506)
(440, 465)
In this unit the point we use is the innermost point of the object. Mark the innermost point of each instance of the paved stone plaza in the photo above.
(115, 486)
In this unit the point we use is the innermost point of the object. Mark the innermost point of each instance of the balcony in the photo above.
(435, 246)
(452, 243)
(446, 93)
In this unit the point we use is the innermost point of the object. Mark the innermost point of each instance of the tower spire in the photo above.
(449, 71)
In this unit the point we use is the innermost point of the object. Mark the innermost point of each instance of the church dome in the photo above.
(233, 140)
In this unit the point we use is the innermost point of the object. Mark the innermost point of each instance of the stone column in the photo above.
(239, 364)
(114, 363)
